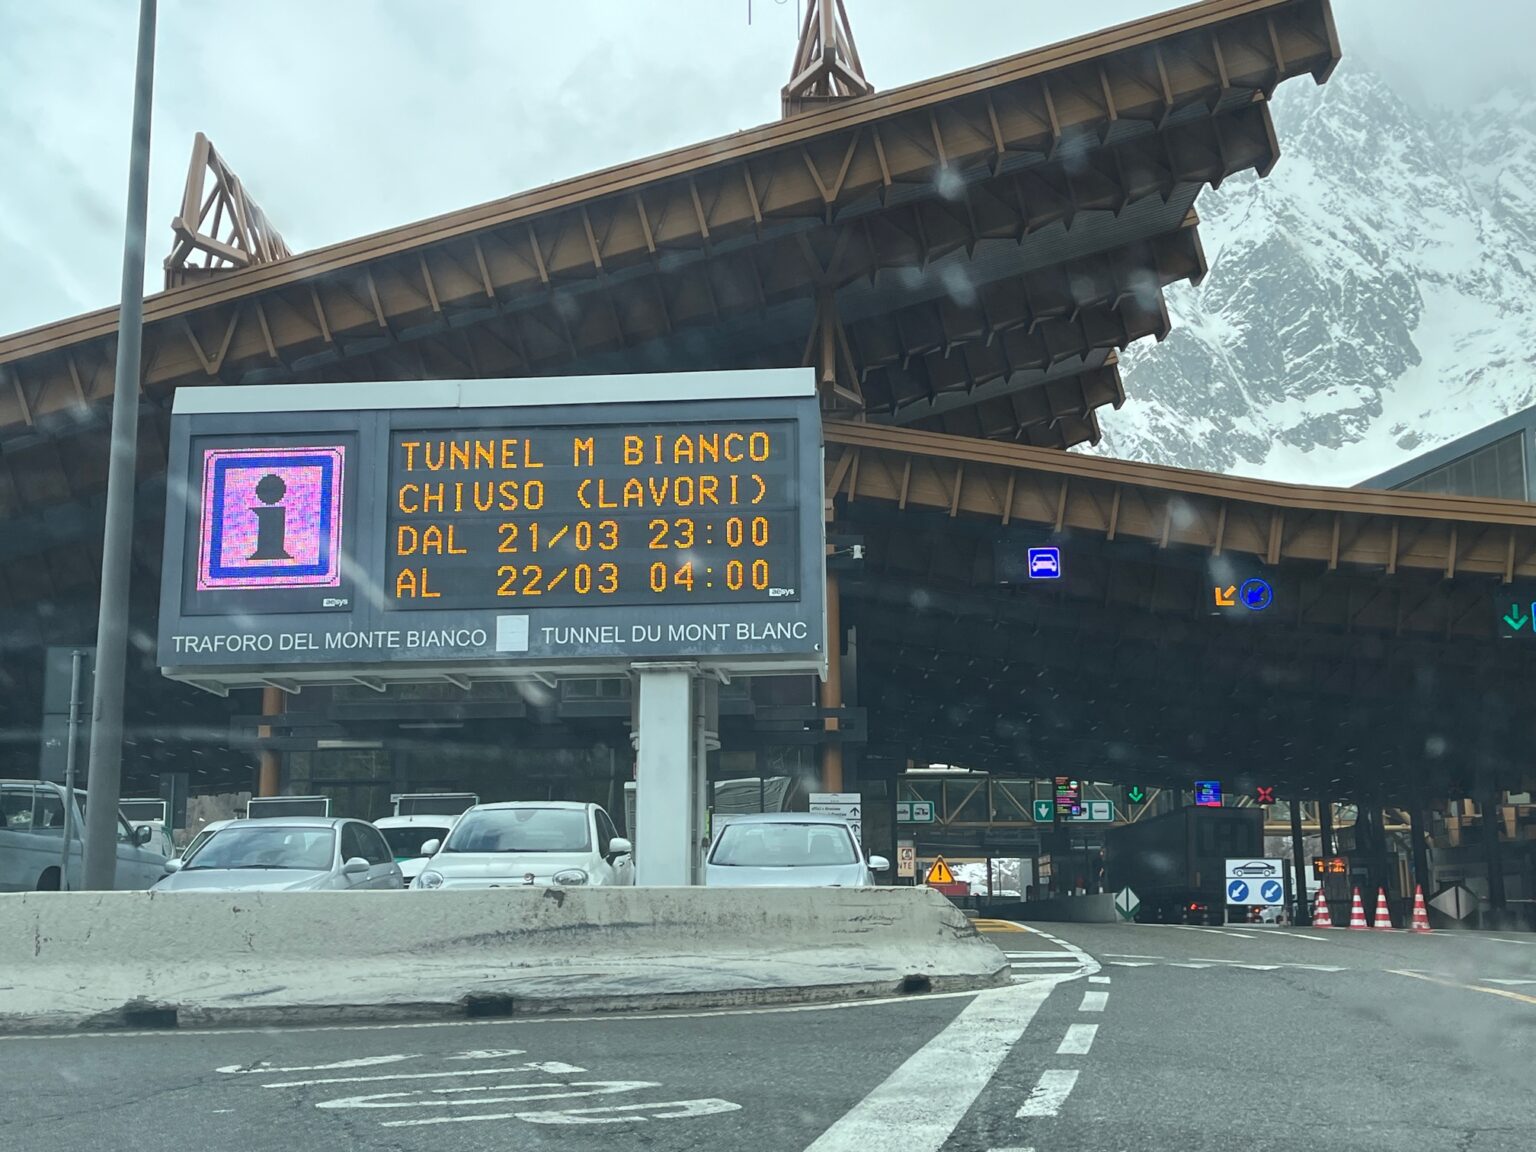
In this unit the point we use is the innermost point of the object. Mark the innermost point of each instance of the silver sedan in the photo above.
(285, 854)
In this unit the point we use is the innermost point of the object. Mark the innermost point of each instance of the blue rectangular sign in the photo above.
(1208, 793)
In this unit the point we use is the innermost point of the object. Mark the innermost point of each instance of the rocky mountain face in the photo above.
(1374, 297)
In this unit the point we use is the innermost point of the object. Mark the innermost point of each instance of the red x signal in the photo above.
(1264, 795)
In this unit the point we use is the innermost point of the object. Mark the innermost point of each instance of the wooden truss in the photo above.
(827, 65)
(224, 226)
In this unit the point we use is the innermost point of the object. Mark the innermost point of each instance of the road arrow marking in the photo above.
(1514, 621)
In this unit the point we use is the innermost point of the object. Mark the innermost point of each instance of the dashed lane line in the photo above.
(1050, 1093)
(1098, 979)
(1093, 1001)
(1078, 1040)
(1497, 980)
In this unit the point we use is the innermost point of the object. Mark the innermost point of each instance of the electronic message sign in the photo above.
(323, 532)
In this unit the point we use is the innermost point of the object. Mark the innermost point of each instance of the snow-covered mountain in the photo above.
(1369, 300)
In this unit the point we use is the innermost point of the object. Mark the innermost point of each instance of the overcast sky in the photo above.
(351, 116)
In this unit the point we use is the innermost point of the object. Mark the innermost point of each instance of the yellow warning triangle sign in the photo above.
(940, 873)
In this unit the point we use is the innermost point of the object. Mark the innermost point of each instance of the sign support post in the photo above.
(666, 785)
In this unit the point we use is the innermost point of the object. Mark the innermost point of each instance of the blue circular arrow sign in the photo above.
(1272, 891)
(1237, 891)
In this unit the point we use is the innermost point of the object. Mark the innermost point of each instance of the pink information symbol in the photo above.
(271, 518)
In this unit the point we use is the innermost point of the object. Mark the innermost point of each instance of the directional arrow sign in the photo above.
(1126, 903)
(1516, 619)
(1226, 599)
(1044, 810)
(1136, 794)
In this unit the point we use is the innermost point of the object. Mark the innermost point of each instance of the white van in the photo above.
(32, 841)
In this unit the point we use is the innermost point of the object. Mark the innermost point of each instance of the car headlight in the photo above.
(571, 876)
(429, 880)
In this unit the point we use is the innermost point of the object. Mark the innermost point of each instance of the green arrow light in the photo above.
(1515, 619)
(1136, 794)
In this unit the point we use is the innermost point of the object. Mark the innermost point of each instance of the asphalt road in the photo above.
(1145, 1038)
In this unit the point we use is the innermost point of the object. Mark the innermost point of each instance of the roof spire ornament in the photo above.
(224, 227)
(827, 65)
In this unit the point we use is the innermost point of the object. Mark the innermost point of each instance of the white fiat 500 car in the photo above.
(528, 843)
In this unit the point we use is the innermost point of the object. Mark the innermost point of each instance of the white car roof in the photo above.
(435, 819)
(509, 805)
(786, 818)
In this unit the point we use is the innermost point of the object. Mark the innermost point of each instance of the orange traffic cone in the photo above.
(1383, 918)
(1420, 913)
(1357, 913)
(1320, 915)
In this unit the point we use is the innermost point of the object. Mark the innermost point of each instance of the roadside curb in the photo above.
(482, 1004)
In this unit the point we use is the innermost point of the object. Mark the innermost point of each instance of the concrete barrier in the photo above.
(146, 959)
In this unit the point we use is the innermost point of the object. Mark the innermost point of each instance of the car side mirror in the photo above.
(879, 864)
(354, 866)
(173, 865)
(430, 847)
(143, 834)
(619, 846)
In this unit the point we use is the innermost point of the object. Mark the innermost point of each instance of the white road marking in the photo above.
(1056, 952)
(1133, 955)
(1093, 1001)
(1133, 963)
(1067, 963)
(931, 1092)
(561, 1091)
(1012, 1149)
(1050, 1093)
(1078, 1040)
(680, 1109)
(553, 1067)
(1306, 934)
(262, 1068)
(1496, 980)
(1177, 964)
(1317, 967)
(1098, 979)
(1506, 940)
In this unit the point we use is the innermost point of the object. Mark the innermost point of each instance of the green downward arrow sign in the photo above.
(1135, 795)
(1516, 620)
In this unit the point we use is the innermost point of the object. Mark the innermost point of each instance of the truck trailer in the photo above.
(1176, 863)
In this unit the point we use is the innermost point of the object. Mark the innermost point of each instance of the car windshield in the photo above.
(522, 830)
(405, 843)
(256, 846)
(783, 845)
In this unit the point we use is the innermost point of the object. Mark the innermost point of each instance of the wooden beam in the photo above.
(1061, 503)
(1333, 547)
(1392, 551)
(1114, 514)
(485, 271)
(1450, 556)
(426, 278)
(1221, 529)
(954, 499)
(1008, 498)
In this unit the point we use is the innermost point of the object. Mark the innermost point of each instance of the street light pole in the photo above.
(104, 775)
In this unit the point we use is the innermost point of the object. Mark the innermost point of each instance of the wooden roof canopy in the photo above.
(966, 254)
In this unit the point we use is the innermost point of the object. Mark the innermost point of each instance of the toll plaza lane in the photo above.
(1272, 1039)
